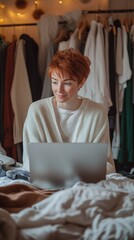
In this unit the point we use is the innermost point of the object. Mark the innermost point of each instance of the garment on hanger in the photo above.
(31, 58)
(21, 97)
(8, 142)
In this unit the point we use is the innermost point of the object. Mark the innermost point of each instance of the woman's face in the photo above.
(64, 88)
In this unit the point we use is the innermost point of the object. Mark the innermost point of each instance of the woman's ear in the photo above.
(81, 83)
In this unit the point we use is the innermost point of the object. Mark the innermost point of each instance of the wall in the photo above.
(9, 14)
(116, 4)
(122, 4)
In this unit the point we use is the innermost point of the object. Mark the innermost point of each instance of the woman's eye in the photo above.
(68, 83)
(54, 83)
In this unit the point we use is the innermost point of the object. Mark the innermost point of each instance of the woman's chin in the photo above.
(61, 99)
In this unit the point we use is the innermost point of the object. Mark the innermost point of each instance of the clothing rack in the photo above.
(18, 24)
(99, 11)
(25, 24)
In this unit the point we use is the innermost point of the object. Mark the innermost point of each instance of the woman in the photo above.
(67, 117)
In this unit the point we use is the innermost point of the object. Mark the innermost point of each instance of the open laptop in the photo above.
(61, 165)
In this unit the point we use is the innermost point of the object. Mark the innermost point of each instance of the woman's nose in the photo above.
(60, 88)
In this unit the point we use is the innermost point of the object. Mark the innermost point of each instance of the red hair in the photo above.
(70, 61)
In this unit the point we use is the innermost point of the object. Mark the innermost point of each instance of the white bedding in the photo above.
(86, 211)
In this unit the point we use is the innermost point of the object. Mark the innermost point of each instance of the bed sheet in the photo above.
(86, 211)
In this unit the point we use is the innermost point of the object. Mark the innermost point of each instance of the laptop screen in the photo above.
(56, 164)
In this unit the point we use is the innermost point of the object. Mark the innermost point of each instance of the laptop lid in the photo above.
(56, 165)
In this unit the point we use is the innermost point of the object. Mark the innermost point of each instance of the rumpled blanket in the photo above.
(102, 211)
(18, 196)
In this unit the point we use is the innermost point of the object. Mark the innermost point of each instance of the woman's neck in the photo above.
(72, 105)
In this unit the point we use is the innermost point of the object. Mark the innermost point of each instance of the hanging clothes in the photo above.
(47, 90)
(48, 29)
(112, 81)
(126, 153)
(21, 97)
(88, 90)
(8, 142)
(31, 58)
(3, 55)
(96, 86)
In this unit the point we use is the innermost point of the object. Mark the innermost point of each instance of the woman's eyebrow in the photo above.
(67, 79)
(54, 78)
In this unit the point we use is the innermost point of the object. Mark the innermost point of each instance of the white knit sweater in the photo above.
(41, 126)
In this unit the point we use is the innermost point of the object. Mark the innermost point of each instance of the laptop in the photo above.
(61, 165)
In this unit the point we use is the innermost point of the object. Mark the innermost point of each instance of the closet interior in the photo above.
(105, 36)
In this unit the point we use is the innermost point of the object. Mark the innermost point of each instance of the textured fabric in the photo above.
(106, 47)
(88, 89)
(31, 56)
(118, 87)
(8, 142)
(102, 93)
(2, 150)
(47, 90)
(86, 211)
(66, 120)
(21, 96)
(8, 229)
(73, 42)
(3, 54)
(48, 30)
(126, 152)
(112, 80)
(15, 197)
(96, 86)
(132, 39)
(126, 75)
(41, 126)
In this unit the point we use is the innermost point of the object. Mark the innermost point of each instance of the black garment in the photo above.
(31, 53)
(112, 82)
(117, 23)
(126, 152)
(3, 54)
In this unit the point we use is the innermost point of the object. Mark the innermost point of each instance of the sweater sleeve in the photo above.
(32, 132)
(101, 134)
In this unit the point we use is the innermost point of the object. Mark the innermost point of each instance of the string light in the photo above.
(36, 4)
(2, 6)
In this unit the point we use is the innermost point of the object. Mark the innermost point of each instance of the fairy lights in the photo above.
(2, 6)
(36, 4)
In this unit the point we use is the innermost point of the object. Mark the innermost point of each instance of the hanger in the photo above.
(105, 23)
(82, 25)
(111, 23)
(63, 34)
(14, 36)
(126, 24)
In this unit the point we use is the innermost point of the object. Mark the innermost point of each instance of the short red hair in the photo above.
(70, 61)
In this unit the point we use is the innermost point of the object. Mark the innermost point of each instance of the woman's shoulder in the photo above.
(39, 104)
(92, 104)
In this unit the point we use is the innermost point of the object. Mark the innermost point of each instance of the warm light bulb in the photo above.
(60, 2)
(19, 14)
(2, 6)
(1, 20)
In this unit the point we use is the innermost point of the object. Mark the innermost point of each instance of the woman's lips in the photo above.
(61, 96)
